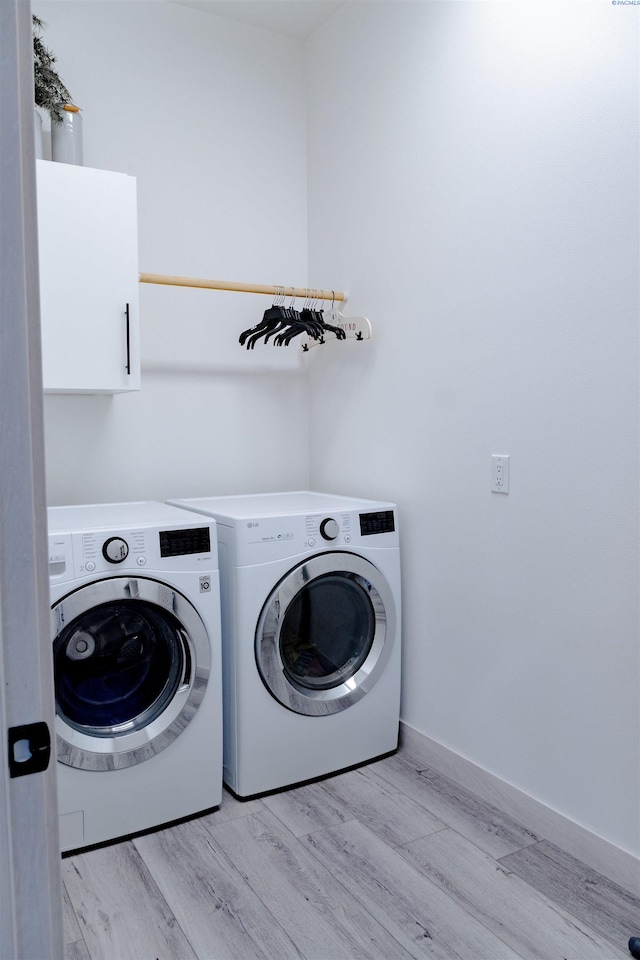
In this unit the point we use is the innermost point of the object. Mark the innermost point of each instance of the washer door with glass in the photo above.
(325, 633)
(131, 661)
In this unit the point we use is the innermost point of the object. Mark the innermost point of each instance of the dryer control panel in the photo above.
(328, 529)
(381, 521)
(260, 539)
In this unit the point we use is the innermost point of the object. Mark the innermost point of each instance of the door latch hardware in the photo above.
(29, 749)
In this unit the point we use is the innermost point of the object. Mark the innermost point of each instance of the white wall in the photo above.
(209, 115)
(473, 184)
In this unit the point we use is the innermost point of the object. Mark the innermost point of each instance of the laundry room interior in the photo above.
(467, 174)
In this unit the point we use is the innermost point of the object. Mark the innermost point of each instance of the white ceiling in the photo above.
(296, 18)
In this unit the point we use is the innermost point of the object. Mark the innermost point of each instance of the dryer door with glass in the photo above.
(131, 661)
(325, 633)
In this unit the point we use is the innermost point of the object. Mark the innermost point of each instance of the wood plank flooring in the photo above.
(386, 862)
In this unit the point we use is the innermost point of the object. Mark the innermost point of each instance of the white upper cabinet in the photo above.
(88, 246)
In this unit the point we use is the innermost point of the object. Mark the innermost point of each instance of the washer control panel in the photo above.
(182, 543)
(60, 557)
(99, 551)
(106, 551)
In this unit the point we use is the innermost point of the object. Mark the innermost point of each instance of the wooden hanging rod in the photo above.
(272, 291)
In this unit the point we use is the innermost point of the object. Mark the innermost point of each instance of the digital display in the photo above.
(180, 543)
(380, 522)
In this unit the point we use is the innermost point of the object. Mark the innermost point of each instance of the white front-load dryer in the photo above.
(135, 630)
(310, 595)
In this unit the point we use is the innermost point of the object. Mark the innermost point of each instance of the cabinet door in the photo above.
(88, 245)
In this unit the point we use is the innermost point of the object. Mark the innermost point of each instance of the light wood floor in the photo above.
(387, 862)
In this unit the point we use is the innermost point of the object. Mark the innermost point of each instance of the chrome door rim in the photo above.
(319, 701)
(127, 747)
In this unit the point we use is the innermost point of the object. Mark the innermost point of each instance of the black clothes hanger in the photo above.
(339, 332)
(269, 318)
(273, 319)
(281, 324)
(302, 326)
(306, 321)
(290, 316)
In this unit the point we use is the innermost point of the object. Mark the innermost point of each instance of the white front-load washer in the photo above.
(135, 628)
(310, 596)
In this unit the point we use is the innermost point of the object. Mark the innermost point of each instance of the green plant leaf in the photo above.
(50, 92)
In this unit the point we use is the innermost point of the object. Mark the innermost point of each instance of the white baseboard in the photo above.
(600, 854)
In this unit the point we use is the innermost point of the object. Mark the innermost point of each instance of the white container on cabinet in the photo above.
(88, 248)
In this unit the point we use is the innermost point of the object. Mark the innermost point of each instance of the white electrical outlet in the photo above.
(500, 473)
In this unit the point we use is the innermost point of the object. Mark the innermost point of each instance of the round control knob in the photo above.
(329, 529)
(115, 550)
